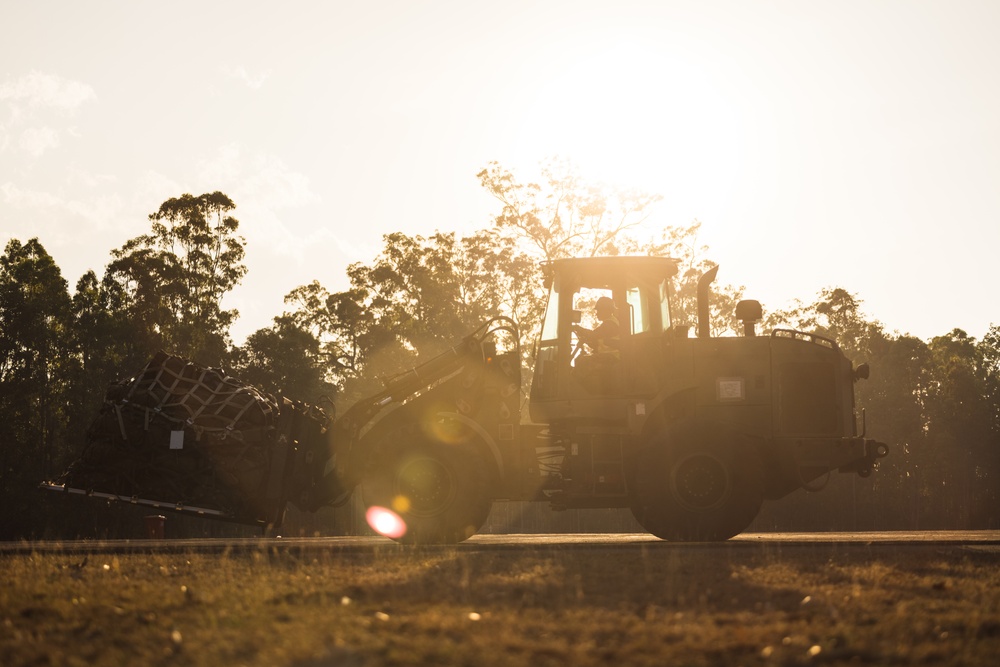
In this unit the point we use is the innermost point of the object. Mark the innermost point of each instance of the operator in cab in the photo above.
(604, 340)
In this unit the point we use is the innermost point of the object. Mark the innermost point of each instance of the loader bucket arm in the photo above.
(346, 461)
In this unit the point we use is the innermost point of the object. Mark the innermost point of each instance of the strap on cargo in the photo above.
(157, 379)
(139, 380)
(170, 390)
(212, 394)
(243, 410)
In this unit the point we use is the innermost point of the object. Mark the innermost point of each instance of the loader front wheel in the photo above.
(436, 493)
(697, 482)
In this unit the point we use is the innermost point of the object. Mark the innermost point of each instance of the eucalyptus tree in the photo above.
(414, 287)
(172, 279)
(989, 464)
(502, 279)
(284, 359)
(359, 344)
(35, 361)
(105, 347)
(961, 427)
(566, 215)
(417, 297)
(989, 348)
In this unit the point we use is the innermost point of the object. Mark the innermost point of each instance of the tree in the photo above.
(988, 467)
(837, 315)
(960, 427)
(417, 297)
(502, 280)
(34, 369)
(989, 348)
(284, 360)
(568, 216)
(173, 279)
(356, 347)
(104, 347)
(414, 287)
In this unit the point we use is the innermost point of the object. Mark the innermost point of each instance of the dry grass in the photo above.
(632, 605)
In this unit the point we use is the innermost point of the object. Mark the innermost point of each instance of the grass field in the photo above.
(654, 604)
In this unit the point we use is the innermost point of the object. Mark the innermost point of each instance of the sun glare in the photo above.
(385, 522)
(643, 117)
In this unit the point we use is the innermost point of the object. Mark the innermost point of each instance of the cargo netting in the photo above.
(194, 439)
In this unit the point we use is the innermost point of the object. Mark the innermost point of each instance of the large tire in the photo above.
(697, 482)
(439, 490)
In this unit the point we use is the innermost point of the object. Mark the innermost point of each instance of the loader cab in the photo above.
(566, 373)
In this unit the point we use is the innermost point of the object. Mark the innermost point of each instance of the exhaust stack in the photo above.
(707, 278)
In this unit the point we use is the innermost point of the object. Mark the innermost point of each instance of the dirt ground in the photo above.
(629, 604)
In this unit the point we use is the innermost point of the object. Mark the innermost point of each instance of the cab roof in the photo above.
(586, 268)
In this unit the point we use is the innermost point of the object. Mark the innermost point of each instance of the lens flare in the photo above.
(448, 429)
(401, 504)
(385, 522)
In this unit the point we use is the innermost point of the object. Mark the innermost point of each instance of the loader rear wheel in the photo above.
(697, 482)
(438, 491)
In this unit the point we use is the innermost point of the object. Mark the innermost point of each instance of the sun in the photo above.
(639, 116)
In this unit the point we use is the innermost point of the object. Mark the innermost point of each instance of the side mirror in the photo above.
(576, 316)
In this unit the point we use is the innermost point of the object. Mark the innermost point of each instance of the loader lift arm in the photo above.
(344, 469)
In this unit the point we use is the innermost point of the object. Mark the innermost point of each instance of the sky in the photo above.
(850, 144)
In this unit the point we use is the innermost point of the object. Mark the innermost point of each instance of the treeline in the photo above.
(936, 403)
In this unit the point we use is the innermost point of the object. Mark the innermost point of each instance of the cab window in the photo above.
(551, 322)
(665, 304)
(638, 310)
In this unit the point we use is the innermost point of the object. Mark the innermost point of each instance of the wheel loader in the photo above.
(689, 432)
